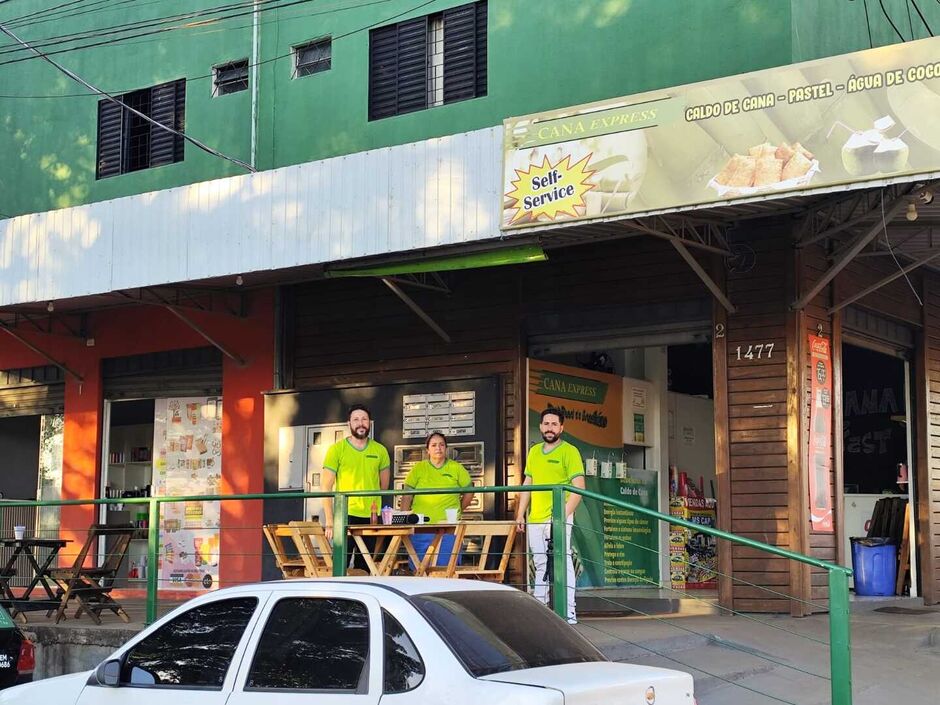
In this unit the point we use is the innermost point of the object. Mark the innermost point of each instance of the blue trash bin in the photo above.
(875, 563)
(422, 542)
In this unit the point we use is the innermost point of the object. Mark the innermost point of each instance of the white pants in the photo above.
(538, 535)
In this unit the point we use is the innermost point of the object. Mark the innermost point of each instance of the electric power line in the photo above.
(60, 12)
(922, 18)
(871, 44)
(149, 24)
(887, 17)
(263, 62)
(78, 79)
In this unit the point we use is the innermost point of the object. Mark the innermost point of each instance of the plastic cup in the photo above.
(451, 515)
(19, 532)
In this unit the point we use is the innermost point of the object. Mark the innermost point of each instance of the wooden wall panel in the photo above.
(927, 468)
(352, 332)
(895, 299)
(757, 478)
(815, 321)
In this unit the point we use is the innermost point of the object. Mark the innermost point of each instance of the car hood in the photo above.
(62, 690)
(607, 683)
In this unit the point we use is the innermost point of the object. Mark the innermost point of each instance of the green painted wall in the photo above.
(542, 54)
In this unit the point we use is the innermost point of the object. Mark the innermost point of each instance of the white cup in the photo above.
(451, 514)
(19, 532)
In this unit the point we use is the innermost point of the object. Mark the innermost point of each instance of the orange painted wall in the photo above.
(144, 329)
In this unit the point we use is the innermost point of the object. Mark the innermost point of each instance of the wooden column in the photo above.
(722, 436)
(838, 460)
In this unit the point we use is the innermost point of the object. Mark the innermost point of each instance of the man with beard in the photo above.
(552, 462)
(352, 464)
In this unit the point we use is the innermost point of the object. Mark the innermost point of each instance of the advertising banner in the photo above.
(853, 118)
(612, 546)
(188, 462)
(820, 436)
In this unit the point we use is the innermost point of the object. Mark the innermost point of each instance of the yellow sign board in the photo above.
(848, 119)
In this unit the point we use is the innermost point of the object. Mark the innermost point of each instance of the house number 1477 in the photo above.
(756, 352)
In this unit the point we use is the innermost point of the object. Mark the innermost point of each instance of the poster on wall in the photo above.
(188, 462)
(820, 435)
(849, 119)
(612, 546)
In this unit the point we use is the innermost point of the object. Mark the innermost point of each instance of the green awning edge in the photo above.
(493, 258)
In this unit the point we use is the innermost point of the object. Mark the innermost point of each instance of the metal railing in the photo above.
(838, 592)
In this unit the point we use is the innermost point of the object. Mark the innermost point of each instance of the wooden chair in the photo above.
(476, 567)
(91, 586)
(313, 548)
(290, 564)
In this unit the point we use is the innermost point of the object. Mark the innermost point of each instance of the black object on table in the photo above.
(41, 577)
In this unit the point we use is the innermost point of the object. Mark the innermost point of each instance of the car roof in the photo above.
(401, 584)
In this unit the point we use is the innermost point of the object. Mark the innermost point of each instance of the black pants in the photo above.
(351, 548)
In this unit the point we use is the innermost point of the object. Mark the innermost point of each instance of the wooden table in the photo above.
(25, 547)
(381, 562)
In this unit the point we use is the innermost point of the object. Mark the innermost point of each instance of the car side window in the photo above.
(194, 650)
(404, 668)
(319, 644)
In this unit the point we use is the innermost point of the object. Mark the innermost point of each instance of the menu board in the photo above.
(188, 462)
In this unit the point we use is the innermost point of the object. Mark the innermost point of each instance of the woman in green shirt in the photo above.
(437, 472)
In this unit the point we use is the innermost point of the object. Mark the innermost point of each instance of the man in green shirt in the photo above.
(551, 462)
(355, 463)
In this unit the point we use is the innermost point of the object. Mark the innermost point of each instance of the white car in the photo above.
(359, 641)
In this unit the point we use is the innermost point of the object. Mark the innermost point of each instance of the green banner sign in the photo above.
(552, 384)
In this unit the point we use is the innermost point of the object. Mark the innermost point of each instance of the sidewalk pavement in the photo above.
(766, 659)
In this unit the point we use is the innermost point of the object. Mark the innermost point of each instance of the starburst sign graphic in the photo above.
(550, 189)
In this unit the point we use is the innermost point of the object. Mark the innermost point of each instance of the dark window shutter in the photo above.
(179, 145)
(383, 72)
(110, 138)
(412, 65)
(167, 103)
(481, 49)
(460, 49)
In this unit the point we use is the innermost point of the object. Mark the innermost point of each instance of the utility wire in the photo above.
(78, 79)
(922, 18)
(871, 44)
(890, 21)
(60, 12)
(163, 30)
(191, 19)
(334, 38)
(155, 24)
(884, 226)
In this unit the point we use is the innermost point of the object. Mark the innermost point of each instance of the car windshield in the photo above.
(494, 631)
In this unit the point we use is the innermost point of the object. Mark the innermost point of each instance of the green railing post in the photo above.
(153, 559)
(559, 556)
(339, 534)
(840, 654)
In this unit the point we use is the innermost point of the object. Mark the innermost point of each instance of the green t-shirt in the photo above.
(424, 476)
(557, 467)
(357, 470)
